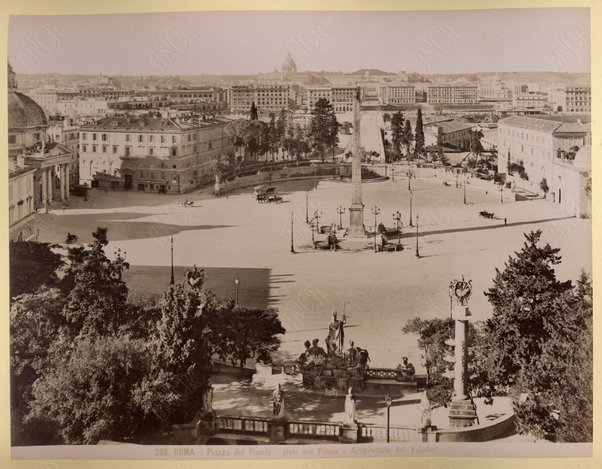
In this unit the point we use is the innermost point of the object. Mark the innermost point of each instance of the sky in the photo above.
(254, 42)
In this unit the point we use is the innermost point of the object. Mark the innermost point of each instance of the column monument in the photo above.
(356, 211)
(462, 412)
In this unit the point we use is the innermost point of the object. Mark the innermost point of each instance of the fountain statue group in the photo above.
(335, 367)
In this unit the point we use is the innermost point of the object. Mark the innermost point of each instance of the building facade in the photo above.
(452, 94)
(267, 98)
(397, 94)
(578, 99)
(154, 154)
(546, 149)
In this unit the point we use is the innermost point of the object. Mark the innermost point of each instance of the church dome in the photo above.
(582, 159)
(289, 65)
(24, 112)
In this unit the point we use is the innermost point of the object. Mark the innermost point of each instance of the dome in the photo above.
(24, 112)
(289, 65)
(582, 159)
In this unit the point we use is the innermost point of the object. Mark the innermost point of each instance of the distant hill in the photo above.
(372, 72)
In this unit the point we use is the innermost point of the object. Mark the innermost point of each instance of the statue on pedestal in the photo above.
(349, 408)
(278, 402)
(336, 335)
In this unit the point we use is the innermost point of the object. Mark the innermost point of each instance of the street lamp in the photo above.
(411, 197)
(397, 218)
(307, 207)
(375, 211)
(409, 180)
(292, 229)
(236, 284)
(502, 192)
(340, 211)
(417, 252)
(464, 188)
(172, 282)
(457, 171)
(388, 402)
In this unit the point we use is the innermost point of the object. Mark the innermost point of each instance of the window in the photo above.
(93, 148)
(151, 138)
(114, 148)
(127, 151)
(104, 137)
(104, 148)
(93, 136)
(141, 138)
(173, 152)
(162, 139)
(151, 151)
(36, 136)
(84, 148)
(210, 145)
(127, 137)
(12, 139)
(84, 135)
(173, 139)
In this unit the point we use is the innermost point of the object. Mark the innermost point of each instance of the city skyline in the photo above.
(199, 43)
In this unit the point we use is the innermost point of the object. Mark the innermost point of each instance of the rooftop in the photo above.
(153, 123)
(559, 125)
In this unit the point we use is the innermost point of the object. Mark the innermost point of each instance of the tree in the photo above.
(537, 323)
(475, 141)
(248, 333)
(432, 334)
(97, 301)
(89, 392)
(419, 134)
(407, 136)
(272, 136)
(322, 127)
(281, 127)
(32, 265)
(253, 115)
(397, 124)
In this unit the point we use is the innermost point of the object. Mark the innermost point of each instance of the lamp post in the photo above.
(457, 178)
(307, 207)
(340, 211)
(417, 252)
(236, 284)
(409, 180)
(292, 229)
(397, 218)
(411, 197)
(375, 211)
(172, 282)
(502, 192)
(464, 188)
(388, 402)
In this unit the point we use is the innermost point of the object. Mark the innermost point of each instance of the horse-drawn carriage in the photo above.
(486, 214)
(265, 194)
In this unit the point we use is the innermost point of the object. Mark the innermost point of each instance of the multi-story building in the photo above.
(317, 92)
(578, 99)
(397, 94)
(65, 130)
(452, 94)
(343, 97)
(451, 133)
(494, 93)
(82, 107)
(546, 148)
(151, 153)
(20, 199)
(530, 102)
(267, 98)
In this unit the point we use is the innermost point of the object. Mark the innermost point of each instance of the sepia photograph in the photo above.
(300, 234)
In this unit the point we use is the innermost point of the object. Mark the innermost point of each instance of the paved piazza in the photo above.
(379, 292)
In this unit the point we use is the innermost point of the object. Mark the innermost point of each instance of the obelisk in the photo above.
(356, 211)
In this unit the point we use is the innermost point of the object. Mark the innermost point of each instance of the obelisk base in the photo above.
(356, 221)
(462, 413)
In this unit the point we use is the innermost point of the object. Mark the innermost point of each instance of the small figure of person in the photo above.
(349, 408)
(505, 222)
(278, 402)
(351, 353)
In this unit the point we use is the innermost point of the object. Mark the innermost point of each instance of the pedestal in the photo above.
(348, 433)
(462, 413)
(356, 221)
(277, 430)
